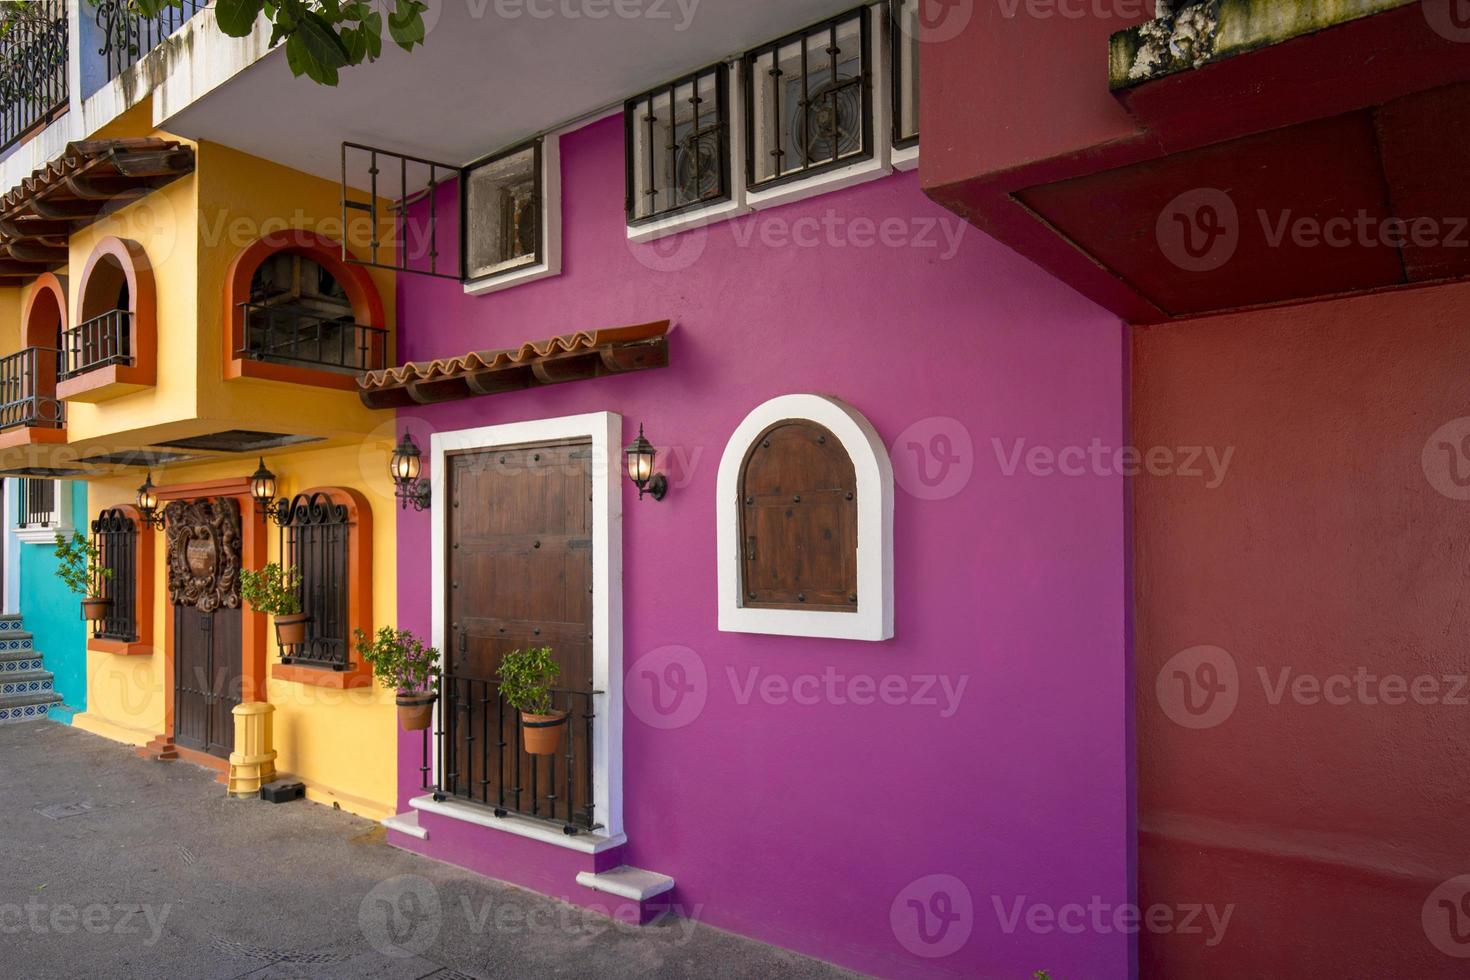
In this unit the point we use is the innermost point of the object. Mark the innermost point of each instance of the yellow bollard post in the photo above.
(253, 762)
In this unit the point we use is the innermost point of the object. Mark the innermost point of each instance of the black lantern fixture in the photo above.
(407, 467)
(148, 505)
(263, 492)
(640, 454)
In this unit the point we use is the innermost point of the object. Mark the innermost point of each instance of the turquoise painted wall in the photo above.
(52, 614)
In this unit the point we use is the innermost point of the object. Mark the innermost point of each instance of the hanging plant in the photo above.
(526, 677)
(79, 566)
(401, 661)
(276, 591)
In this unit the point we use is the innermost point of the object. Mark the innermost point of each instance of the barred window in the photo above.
(38, 504)
(316, 540)
(503, 212)
(678, 145)
(809, 105)
(115, 534)
(904, 38)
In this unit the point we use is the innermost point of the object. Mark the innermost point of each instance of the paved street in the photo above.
(118, 867)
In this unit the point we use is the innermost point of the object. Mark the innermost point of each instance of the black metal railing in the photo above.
(316, 537)
(97, 343)
(116, 536)
(28, 390)
(295, 335)
(37, 503)
(477, 742)
(33, 49)
(126, 37)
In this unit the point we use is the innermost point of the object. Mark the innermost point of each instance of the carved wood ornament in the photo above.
(203, 553)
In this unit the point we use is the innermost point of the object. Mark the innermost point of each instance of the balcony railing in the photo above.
(128, 37)
(477, 742)
(28, 390)
(33, 87)
(97, 343)
(296, 335)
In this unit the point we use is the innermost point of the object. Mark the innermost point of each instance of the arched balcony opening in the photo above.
(28, 398)
(112, 349)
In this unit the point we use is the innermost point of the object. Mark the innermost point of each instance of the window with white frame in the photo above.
(38, 504)
(678, 146)
(504, 226)
(809, 101)
(903, 36)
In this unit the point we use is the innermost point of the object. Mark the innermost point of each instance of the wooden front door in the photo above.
(520, 575)
(204, 590)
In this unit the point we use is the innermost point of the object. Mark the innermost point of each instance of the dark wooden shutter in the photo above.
(798, 520)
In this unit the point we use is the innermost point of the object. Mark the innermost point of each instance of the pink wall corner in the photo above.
(813, 825)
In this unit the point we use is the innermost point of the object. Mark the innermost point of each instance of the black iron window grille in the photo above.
(97, 343)
(477, 742)
(329, 342)
(677, 146)
(414, 244)
(33, 55)
(128, 37)
(37, 503)
(809, 101)
(116, 536)
(28, 390)
(316, 540)
(502, 224)
(903, 38)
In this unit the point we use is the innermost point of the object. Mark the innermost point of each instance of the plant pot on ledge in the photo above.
(416, 709)
(291, 630)
(94, 608)
(542, 733)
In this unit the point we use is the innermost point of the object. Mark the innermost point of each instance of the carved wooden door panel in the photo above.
(204, 588)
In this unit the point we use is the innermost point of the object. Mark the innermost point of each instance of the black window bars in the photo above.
(97, 343)
(277, 333)
(677, 146)
(37, 503)
(903, 39)
(316, 539)
(28, 390)
(116, 536)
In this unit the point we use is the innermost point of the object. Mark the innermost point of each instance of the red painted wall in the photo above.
(1332, 555)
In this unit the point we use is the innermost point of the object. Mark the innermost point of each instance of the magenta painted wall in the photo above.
(807, 825)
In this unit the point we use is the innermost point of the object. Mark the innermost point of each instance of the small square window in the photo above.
(678, 146)
(904, 36)
(810, 101)
(504, 230)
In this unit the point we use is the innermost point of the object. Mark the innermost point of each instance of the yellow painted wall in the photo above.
(10, 310)
(341, 744)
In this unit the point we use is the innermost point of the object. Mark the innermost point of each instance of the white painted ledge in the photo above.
(634, 884)
(406, 823)
(514, 823)
(905, 158)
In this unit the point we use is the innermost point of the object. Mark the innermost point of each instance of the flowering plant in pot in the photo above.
(79, 566)
(400, 660)
(526, 677)
(277, 592)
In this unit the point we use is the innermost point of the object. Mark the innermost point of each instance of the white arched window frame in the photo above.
(873, 619)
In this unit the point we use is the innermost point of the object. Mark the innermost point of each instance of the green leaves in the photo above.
(526, 677)
(236, 18)
(321, 36)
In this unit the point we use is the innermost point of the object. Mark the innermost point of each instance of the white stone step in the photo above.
(407, 823)
(628, 882)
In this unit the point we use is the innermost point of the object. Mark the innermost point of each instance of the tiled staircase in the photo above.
(27, 690)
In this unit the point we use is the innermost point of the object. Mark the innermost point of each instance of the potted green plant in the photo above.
(400, 660)
(276, 591)
(79, 566)
(526, 677)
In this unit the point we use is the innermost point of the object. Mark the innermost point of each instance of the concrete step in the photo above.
(16, 641)
(25, 682)
(648, 889)
(31, 707)
(19, 663)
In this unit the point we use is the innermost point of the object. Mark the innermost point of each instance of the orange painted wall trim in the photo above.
(143, 595)
(96, 296)
(367, 306)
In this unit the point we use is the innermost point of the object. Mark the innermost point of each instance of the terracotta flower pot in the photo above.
(94, 608)
(542, 733)
(415, 710)
(291, 630)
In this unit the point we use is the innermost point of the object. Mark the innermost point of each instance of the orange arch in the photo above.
(367, 305)
(45, 312)
(113, 263)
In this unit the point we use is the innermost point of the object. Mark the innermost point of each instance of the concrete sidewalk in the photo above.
(115, 867)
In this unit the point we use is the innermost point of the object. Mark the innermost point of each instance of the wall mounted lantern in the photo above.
(640, 453)
(407, 467)
(148, 505)
(263, 492)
